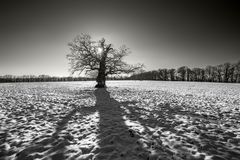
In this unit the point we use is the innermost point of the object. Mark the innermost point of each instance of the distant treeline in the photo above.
(40, 78)
(226, 72)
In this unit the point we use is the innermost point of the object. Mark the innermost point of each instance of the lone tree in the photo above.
(91, 56)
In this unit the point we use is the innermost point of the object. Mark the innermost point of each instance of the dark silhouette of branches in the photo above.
(226, 72)
(40, 78)
(89, 56)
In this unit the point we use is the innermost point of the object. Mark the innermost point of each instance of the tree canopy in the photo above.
(89, 56)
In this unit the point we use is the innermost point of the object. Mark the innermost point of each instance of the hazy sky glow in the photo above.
(161, 34)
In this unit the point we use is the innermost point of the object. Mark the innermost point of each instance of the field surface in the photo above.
(130, 120)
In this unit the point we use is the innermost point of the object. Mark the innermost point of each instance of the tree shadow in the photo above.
(53, 144)
(116, 139)
(167, 132)
(185, 134)
(3, 140)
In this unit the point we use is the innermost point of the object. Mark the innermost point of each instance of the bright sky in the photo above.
(166, 34)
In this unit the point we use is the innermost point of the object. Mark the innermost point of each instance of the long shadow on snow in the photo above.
(54, 144)
(116, 140)
(206, 142)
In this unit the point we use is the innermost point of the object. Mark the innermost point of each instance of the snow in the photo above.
(129, 120)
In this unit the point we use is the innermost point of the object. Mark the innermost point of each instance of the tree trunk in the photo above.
(101, 78)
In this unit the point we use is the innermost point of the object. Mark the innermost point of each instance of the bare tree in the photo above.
(197, 74)
(208, 73)
(226, 69)
(214, 74)
(219, 72)
(163, 74)
(89, 56)
(172, 74)
(237, 71)
(231, 73)
(211, 73)
(188, 73)
(202, 75)
(182, 72)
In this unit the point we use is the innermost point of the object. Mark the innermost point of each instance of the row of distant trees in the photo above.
(226, 72)
(40, 78)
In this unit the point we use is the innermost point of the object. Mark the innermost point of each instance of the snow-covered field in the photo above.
(130, 120)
